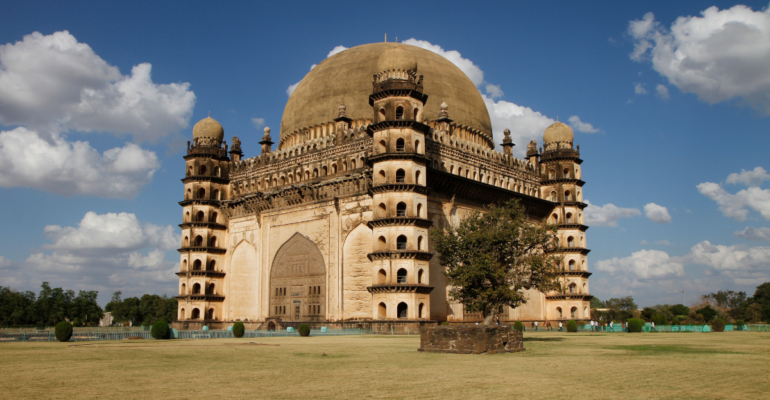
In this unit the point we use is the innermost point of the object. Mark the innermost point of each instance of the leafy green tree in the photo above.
(762, 297)
(707, 312)
(679, 309)
(596, 303)
(492, 257)
(622, 304)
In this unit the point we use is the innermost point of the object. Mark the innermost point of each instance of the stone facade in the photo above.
(476, 339)
(333, 225)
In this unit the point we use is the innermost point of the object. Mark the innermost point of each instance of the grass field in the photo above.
(555, 365)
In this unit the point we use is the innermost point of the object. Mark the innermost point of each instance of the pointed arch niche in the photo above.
(298, 265)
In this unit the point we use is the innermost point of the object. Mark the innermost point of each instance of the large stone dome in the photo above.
(558, 132)
(346, 78)
(208, 128)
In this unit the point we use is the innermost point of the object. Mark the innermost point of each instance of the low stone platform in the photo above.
(477, 339)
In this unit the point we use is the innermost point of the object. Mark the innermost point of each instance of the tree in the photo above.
(491, 258)
(707, 312)
(679, 309)
(622, 304)
(596, 303)
(762, 297)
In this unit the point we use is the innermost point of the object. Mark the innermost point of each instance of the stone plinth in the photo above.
(476, 339)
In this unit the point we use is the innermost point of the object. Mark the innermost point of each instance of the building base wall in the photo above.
(471, 340)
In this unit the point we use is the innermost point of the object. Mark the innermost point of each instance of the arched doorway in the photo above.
(299, 273)
(271, 326)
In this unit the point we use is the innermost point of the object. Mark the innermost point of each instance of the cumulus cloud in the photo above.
(643, 243)
(754, 234)
(639, 88)
(663, 242)
(473, 71)
(73, 168)
(719, 56)
(737, 205)
(749, 178)
(258, 122)
(106, 252)
(55, 83)
(644, 264)
(656, 213)
(494, 91)
(608, 214)
(744, 265)
(662, 92)
(581, 126)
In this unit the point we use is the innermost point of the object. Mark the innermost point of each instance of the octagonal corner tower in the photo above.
(346, 78)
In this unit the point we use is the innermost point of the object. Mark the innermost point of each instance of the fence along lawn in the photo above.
(555, 365)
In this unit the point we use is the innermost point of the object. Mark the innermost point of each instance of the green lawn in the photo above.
(555, 365)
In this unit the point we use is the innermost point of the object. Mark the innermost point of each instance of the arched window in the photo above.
(417, 177)
(184, 265)
(334, 169)
(400, 176)
(573, 312)
(324, 171)
(382, 243)
(571, 265)
(558, 312)
(345, 166)
(184, 289)
(201, 193)
(196, 313)
(383, 210)
(555, 218)
(419, 243)
(213, 217)
(382, 174)
(383, 146)
(210, 289)
(584, 289)
(181, 314)
(189, 194)
(315, 172)
(196, 289)
(419, 210)
(416, 110)
(382, 114)
(382, 310)
(419, 276)
(197, 265)
(198, 241)
(569, 218)
(421, 311)
(307, 175)
(400, 145)
(217, 171)
(566, 172)
(399, 112)
(572, 288)
(416, 146)
(401, 209)
(382, 276)
(566, 195)
(187, 217)
(554, 197)
(282, 181)
(402, 310)
(202, 170)
(401, 242)
(189, 171)
(210, 315)
(212, 265)
(213, 241)
(199, 216)
(570, 242)
(551, 174)
(401, 276)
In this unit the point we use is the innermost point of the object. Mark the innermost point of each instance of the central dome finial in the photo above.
(397, 58)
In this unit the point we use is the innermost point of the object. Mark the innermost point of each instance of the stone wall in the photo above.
(475, 339)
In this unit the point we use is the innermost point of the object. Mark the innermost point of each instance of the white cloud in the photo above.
(754, 234)
(54, 83)
(639, 88)
(608, 214)
(663, 242)
(494, 91)
(525, 123)
(643, 243)
(735, 205)
(473, 71)
(662, 92)
(749, 178)
(744, 265)
(73, 168)
(656, 213)
(581, 126)
(258, 122)
(719, 56)
(291, 88)
(106, 252)
(335, 50)
(644, 264)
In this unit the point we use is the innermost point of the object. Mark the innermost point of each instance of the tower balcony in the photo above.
(400, 288)
(400, 254)
(200, 272)
(201, 224)
(569, 296)
(400, 221)
(399, 187)
(201, 297)
(581, 274)
(202, 249)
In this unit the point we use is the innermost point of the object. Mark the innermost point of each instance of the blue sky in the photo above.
(97, 101)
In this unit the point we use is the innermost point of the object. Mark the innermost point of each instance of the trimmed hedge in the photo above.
(63, 331)
(238, 329)
(739, 325)
(304, 330)
(571, 326)
(160, 330)
(718, 325)
(635, 325)
(518, 326)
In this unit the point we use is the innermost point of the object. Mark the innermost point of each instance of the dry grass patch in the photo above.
(663, 365)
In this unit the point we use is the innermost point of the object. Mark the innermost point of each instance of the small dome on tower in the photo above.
(208, 128)
(397, 58)
(558, 132)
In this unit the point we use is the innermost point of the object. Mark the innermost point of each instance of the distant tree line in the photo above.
(50, 307)
(726, 304)
(146, 310)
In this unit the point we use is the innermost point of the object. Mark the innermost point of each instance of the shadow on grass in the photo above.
(670, 349)
(532, 339)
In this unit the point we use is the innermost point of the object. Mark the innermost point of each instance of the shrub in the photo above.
(659, 319)
(635, 325)
(708, 313)
(739, 325)
(238, 329)
(675, 321)
(304, 330)
(518, 326)
(718, 325)
(571, 326)
(63, 331)
(76, 322)
(40, 326)
(160, 330)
